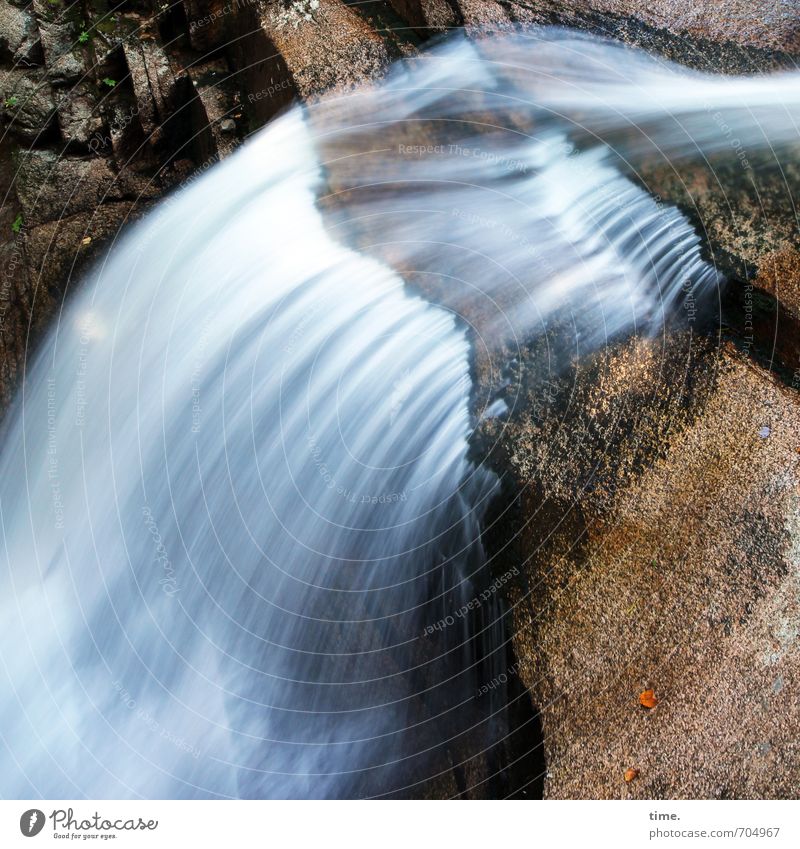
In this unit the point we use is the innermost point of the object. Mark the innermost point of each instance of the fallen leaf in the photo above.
(631, 773)
(648, 699)
(87, 240)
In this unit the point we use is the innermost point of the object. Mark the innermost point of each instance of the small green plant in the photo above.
(16, 225)
(109, 82)
(11, 101)
(83, 37)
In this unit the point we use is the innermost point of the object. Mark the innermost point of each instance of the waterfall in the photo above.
(241, 524)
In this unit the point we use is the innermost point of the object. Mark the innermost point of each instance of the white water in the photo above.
(235, 488)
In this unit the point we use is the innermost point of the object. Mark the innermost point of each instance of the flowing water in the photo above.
(241, 524)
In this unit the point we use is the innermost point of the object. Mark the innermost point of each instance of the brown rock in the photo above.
(154, 86)
(38, 267)
(335, 48)
(659, 512)
(57, 251)
(207, 21)
(661, 535)
(428, 15)
(50, 187)
(215, 106)
(744, 211)
(78, 114)
(63, 54)
(28, 106)
(761, 24)
(176, 101)
(779, 275)
(19, 37)
(305, 48)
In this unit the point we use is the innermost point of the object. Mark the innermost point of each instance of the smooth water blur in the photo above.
(237, 492)
(240, 524)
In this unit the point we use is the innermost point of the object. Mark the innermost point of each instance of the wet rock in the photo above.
(28, 105)
(779, 275)
(19, 37)
(172, 117)
(14, 307)
(154, 85)
(78, 114)
(751, 26)
(50, 187)
(743, 207)
(428, 16)
(38, 268)
(58, 251)
(63, 53)
(326, 47)
(662, 543)
(207, 21)
(214, 110)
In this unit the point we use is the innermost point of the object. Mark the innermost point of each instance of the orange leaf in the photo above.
(648, 699)
(631, 773)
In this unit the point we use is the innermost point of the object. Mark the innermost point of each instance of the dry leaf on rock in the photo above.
(648, 699)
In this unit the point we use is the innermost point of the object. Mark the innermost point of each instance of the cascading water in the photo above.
(241, 528)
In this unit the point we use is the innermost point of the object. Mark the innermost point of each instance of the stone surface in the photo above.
(64, 56)
(51, 187)
(429, 16)
(28, 105)
(154, 86)
(779, 274)
(217, 101)
(751, 233)
(301, 49)
(57, 251)
(39, 266)
(660, 532)
(19, 37)
(208, 20)
(79, 117)
(764, 24)
(326, 47)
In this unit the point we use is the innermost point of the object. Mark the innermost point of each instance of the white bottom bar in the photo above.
(400, 825)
